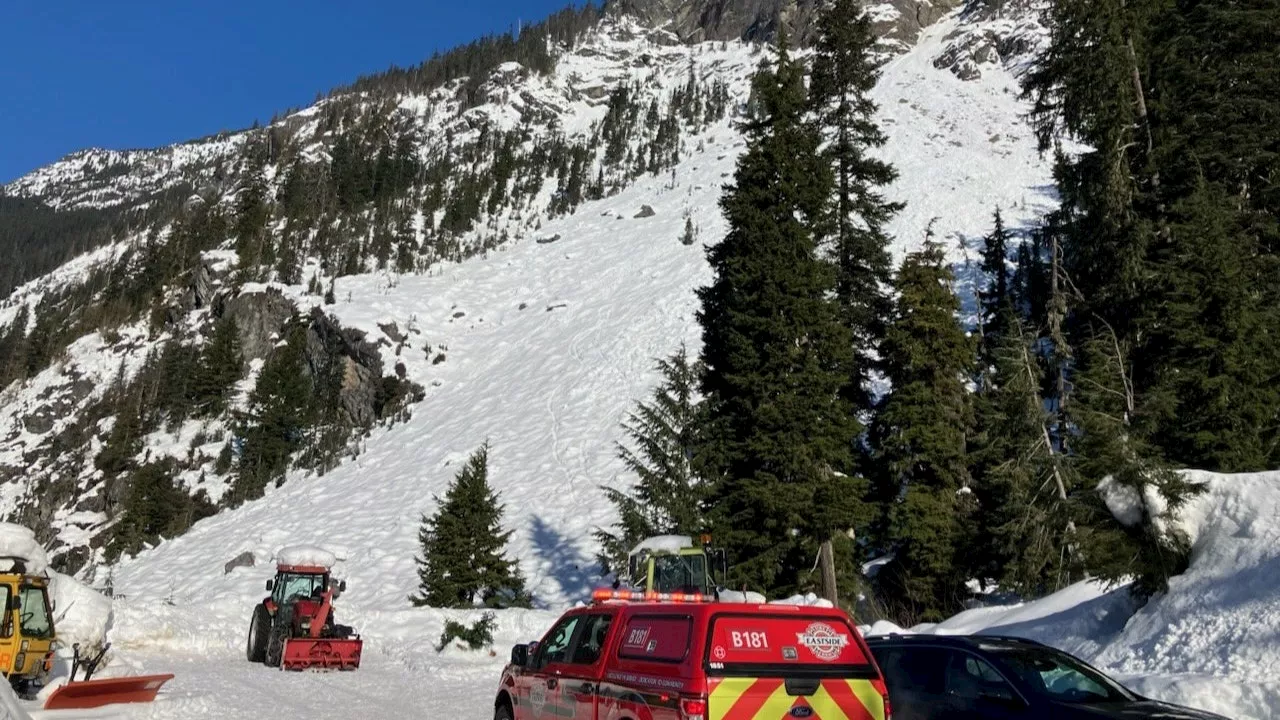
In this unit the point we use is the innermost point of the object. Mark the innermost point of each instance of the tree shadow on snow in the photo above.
(574, 572)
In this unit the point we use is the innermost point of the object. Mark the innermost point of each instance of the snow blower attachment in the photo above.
(293, 627)
(87, 693)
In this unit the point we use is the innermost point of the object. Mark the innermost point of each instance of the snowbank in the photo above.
(306, 555)
(735, 596)
(1210, 642)
(664, 543)
(809, 600)
(10, 708)
(80, 613)
(17, 541)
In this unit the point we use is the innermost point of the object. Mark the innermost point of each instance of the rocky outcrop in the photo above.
(897, 22)
(259, 317)
(345, 352)
(995, 32)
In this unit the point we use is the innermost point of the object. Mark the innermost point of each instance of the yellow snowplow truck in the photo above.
(26, 630)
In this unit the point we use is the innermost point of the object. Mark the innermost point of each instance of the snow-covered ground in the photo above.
(547, 347)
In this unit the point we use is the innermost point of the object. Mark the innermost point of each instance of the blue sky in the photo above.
(141, 73)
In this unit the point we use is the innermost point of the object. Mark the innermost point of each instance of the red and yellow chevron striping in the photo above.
(767, 699)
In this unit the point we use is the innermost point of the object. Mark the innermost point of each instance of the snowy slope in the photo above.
(547, 384)
(1209, 642)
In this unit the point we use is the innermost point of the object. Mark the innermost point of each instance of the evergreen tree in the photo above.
(997, 295)
(462, 559)
(1126, 528)
(670, 491)
(280, 408)
(920, 437)
(776, 355)
(154, 507)
(13, 350)
(1022, 481)
(221, 366)
(844, 75)
(253, 211)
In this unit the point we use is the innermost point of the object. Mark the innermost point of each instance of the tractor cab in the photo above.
(298, 582)
(674, 564)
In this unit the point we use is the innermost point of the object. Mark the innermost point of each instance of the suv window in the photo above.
(912, 670)
(971, 678)
(556, 647)
(1059, 676)
(595, 631)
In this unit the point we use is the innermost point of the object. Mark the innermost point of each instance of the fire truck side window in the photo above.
(557, 643)
(594, 634)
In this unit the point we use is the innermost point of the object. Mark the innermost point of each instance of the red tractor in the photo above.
(293, 628)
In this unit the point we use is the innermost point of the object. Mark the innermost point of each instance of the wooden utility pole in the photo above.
(827, 561)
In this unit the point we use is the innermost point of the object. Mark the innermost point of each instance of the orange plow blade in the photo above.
(106, 691)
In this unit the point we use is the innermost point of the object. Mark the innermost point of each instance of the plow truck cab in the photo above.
(675, 564)
(26, 630)
(293, 627)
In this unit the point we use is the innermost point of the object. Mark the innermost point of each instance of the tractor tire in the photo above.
(280, 632)
(259, 634)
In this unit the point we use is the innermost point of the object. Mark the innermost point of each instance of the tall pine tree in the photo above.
(463, 560)
(844, 74)
(669, 494)
(776, 355)
(920, 437)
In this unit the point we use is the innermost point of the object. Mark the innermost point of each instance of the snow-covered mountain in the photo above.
(956, 139)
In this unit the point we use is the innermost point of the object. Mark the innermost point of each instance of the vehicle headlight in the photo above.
(19, 661)
(25, 644)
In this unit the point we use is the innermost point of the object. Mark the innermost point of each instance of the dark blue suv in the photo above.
(977, 677)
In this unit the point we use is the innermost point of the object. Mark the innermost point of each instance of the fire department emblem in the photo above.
(719, 653)
(537, 699)
(823, 641)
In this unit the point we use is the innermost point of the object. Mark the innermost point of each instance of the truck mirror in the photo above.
(520, 655)
(342, 586)
(270, 584)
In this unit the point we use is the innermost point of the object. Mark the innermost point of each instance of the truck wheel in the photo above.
(259, 633)
(502, 712)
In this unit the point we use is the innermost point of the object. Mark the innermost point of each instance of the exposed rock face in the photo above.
(897, 22)
(259, 317)
(995, 32)
(359, 366)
